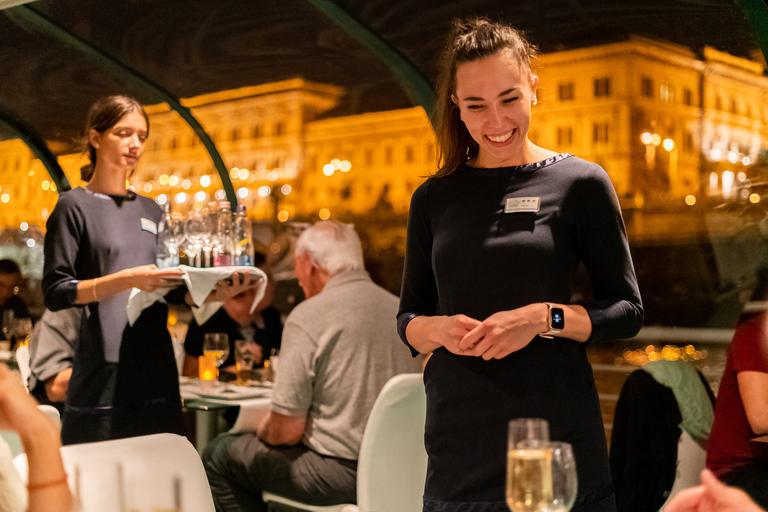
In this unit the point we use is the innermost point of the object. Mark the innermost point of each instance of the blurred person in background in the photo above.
(10, 280)
(263, 327)
(46, 489)
(741, 412)
(51, 351)
(711, 496)
(339, 349)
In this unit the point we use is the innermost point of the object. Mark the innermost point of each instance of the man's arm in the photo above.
(279, 429)
(56, 386)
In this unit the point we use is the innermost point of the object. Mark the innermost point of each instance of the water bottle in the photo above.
(223, 244)
(243, 238)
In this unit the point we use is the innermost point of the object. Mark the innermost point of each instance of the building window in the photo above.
(236, 133)
(369, 157)
(279, 128)
(687, 97)
(688, 142)
(565, 91)
(174, 142)
(409, 154)
(388, 156)
(564, 136)
(600, 132)
(256, 133)
(665, 92)
(718, 103)
(646, 87)
(734, 106)
(602, 87)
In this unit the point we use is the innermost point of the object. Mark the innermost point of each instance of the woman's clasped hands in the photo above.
(503, 333)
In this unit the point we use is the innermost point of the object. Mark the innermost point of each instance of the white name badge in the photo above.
(148, 225)
(522, 204)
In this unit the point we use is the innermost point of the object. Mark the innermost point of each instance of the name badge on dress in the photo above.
(522, 204)
(148, 225)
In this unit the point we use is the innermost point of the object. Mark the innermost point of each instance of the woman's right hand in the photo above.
(428, 333)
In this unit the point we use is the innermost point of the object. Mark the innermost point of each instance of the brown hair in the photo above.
(105, 113)
(469, 40)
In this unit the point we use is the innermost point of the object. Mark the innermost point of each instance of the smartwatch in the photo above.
(555, 321)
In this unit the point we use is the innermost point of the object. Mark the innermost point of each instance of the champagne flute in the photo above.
(564, 478)
(529, 466)
(216, 344)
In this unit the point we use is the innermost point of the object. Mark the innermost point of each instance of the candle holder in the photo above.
(209, 373)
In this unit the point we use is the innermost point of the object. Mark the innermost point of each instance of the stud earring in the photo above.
(535, 101)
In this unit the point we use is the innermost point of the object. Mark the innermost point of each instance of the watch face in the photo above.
(557, 319)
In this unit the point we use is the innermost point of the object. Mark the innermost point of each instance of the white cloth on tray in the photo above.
(200, 282)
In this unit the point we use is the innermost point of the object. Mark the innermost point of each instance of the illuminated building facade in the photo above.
(664, 122)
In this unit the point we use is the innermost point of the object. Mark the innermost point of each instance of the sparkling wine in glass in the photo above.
(529, 466)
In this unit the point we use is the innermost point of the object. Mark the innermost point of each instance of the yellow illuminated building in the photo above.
(656, 116)
(664, 122)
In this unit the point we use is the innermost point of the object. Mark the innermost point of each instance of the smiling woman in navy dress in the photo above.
(101, 242)
(494, 241)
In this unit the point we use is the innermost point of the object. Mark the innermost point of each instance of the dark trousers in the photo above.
(240, 467)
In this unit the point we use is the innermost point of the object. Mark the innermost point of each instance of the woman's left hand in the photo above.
(505, 332)
(225, 289)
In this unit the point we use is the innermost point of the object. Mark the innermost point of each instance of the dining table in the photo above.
(209, 399)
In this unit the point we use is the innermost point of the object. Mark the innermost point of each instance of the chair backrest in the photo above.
(691, 461)
(22, 359)
(392, 466)
(96, 469)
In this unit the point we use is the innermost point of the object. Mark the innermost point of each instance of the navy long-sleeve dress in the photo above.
(124, 380)
(467, 255)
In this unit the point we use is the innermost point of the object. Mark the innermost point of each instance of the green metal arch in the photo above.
(416, 84)
(39, 148)
(50, 28)
(756, 14)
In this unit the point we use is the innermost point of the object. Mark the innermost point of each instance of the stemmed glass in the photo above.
(196, 229)
(541, 474)
(21, 329)
(8, 316)
(564, 479)
(216, 344)
(529, 466)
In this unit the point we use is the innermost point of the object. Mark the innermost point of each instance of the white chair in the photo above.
(12, 438)
(691, 460)
(95, 470)
(22, 360)
(392, 465)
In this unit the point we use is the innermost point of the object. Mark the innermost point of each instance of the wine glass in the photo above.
(196, 231)
(20, 330)
(564, 478)
(8, 315)
(529, 466)
(244, 360)
(216, 344)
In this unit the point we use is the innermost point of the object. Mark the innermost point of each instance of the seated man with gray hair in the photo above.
(339, 348)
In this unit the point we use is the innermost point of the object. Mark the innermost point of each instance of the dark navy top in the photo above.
(124, 378)
(466, 255)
